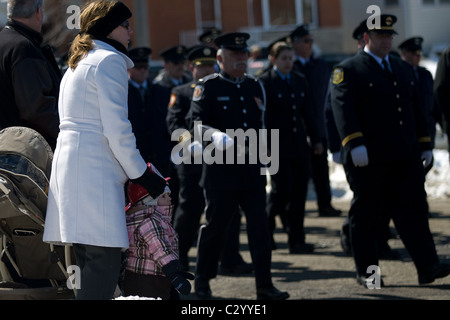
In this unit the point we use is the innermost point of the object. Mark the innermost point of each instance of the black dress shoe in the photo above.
(202, 289)
(346, 245)
(440, 270)
(301, 248)
(329, 212)
(271, 293)
(364, 281)
(386, 253)
(242, 268)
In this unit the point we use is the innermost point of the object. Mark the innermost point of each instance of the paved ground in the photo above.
(328, 274)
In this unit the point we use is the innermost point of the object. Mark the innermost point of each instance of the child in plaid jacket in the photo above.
(152, 267)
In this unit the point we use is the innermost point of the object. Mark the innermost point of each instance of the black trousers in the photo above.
(287, 198)
(100, 271)
(393, 190)
(221, 207)
(191, 206)
(321, 177)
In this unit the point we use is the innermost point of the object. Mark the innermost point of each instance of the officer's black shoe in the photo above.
(386, 253)
(440, 270)
(345, 244)
(301, 248)
(202, 289)
(271, 293)
(329, 212)
(242, 268)
(364, 281)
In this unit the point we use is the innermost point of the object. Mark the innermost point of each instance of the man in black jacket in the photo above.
(317, 74)
(29, 74)
(231, 101)
(191, 205)
(386, 145)
(411, 52)
(442, 89)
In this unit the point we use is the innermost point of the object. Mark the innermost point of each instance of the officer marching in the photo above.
(232, 100)
(386, 146)
(191, 199)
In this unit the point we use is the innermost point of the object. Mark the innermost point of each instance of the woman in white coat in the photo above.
(96, 151)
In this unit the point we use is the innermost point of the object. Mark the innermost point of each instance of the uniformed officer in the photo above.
(334, 145)
(442, 89)
(191, 199)
(147, 105)
(317, 73)
(411, 52)
(174, 74)
(174, 63)
(208, 36)
(385, 148)
(289, 109)
(232, 100)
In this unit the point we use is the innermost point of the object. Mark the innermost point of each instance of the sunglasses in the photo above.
(125, 24)
(308, 41)
(141, 66)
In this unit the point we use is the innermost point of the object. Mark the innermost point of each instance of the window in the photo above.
(279, 13)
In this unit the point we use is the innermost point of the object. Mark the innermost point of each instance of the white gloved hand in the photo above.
(222, 141)
(195, 148)
(337, 157)
(427, 158)
(360, 156)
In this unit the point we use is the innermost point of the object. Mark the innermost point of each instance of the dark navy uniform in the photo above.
(381, 110)
(290, 110)
(317, 73)
(191, 202)
(148, 120)
(176, 55)
(411, 52)
(442, 89)
(224, 103)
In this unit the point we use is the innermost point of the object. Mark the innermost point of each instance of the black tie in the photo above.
(142, 92)
(386, 69)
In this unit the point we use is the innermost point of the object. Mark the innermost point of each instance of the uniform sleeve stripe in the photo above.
(351, 137)
(424, 139)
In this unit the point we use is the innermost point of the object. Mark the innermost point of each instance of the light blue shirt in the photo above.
(378, 59)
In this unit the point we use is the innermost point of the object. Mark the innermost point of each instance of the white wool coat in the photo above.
(95, 153)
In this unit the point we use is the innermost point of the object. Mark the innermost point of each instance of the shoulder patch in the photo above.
(198, 92)
(173, 99)
(338, 75)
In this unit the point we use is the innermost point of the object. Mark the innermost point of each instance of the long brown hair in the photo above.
(83, 43)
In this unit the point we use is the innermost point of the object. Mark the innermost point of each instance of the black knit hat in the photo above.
(105, 25)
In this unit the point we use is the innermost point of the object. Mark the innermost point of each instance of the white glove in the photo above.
(195, 148)
(222, 141)
(427, 158)
(337, 157)
(360, 156)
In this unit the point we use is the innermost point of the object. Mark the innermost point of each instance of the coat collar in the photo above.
(98, 44)
(32, 35)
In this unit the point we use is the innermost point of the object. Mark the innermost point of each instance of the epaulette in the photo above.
(251, 77)
(208, 77)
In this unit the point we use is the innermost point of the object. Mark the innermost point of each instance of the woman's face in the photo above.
(122, 33)
(284, 62)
